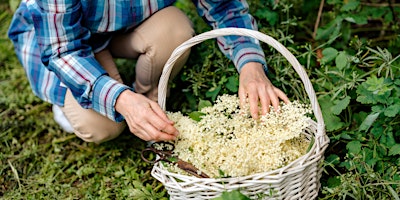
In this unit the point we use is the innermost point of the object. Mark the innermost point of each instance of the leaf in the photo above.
(392, 110)
(364, 96)
(374, 90)
(333, 158)
(340, 105)
(332, 122)
(328, 54)
(360, 19)
(394, 150)
(232, 84)
(232, 195)
(390, 141)
(354, 147)
(369, 120)
(377, 131)
(378, 108)
(196, 115)
(334, 182)
(213, 93)
(269, 15)
(204, 103)
(341, 60)
(350, 5)
(329, 31)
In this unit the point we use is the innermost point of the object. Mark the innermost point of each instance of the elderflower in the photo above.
(228, 140)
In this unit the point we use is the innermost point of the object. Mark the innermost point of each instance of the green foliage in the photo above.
(352, 61)
(361, 110)
(232, 195)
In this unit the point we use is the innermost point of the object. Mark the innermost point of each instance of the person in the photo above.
(67, 48)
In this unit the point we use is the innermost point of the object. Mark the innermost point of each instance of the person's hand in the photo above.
(256, 87)
(145, 118)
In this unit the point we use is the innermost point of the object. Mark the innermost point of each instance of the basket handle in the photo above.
(163, 83)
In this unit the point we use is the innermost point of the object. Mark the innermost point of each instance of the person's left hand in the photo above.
(256, 87)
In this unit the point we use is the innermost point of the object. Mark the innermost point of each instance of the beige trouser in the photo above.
(151, 43)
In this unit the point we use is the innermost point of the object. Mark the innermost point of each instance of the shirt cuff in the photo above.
(248, 52)
(105, 93)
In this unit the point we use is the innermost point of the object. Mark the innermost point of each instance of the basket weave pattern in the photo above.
(297, 180)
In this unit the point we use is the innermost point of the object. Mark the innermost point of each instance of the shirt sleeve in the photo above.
(63, 44)
(233, 13)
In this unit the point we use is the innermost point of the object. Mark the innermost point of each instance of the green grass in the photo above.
(40, 161)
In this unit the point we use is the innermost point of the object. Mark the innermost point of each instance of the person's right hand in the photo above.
(145, 118)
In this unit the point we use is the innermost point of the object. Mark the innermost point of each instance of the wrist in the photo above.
(252, 66)
(121, 101)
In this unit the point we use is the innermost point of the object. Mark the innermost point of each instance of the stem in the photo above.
(321, 5)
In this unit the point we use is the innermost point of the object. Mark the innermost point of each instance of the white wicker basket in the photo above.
(298, 180)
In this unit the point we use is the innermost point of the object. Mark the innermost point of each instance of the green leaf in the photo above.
(350, 5)
(387, 139)
(378, 108)
(377, 131)
(173, 159)
(377, 12)
(394, 150)
(341, 60)
(369, 120)
(328, 54)
(204, 103)
(360, 19)
(213, 93)
(331, 30)
(340, 105)
(354, 147)
(378, 86)
(364, 96)
(333, 159)
(271, 16)
(332, 121)
(375, 90)
(232, 84)
(232, 195)
(196, 115)
(334, 182)
(392, 110)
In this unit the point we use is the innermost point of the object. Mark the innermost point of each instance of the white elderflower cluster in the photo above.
(227, 141)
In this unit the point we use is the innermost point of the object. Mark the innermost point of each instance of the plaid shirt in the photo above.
(53, 40)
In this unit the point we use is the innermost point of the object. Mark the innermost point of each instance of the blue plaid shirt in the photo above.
(52, 40)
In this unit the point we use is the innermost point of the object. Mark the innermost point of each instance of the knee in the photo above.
(182, 32)
(89, 125)
(99, 134)
(173, 25)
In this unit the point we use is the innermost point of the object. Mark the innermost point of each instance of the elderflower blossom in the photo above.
(228, 140)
